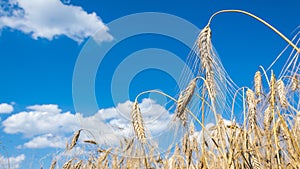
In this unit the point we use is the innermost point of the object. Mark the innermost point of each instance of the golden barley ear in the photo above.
(53, 164)
(206, 58)
(90, 142)
(280, 88)
(183, 100)
(137, 122)
(67, 165)
(295, 83)
(78, 165)
(205, 46)
(74, 139)
(250, 97)
(268, 118)
(258, 83)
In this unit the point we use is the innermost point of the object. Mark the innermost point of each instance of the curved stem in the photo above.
(233, 101)
(260, 20)
(265, 73)
(155, 91)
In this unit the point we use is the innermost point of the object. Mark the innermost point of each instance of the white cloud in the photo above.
(6, 108)
(14, 162)
(41, 119)
(51, 108)
(47, 140)
(48, 126)
(118, 121)
(51, 18)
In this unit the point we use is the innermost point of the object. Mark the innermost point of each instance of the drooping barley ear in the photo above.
(209, 77)
(53, 164)
(205, 48)
(67, 165)
(74, 140)
(281, 93)
(183, 100)
(257, 83)
(78, 165)
(137, 122)
(90, 142)
(251, 102)
(295, 83)
(268, 118)
(192, 129)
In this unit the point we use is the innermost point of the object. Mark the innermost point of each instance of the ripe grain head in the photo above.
(137, 122)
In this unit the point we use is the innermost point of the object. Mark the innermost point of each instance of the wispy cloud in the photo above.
(51, 18)
(13, 162)
(47, 140)
(6, 108)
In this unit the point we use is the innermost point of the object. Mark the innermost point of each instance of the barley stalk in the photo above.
(272, 92)
(137, 122)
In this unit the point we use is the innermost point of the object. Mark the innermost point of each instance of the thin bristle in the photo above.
(257, 83)
(254, 162)
(183, 100)
(137, 122)
(281, 93)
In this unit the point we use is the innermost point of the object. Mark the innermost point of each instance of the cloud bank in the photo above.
(48, 126)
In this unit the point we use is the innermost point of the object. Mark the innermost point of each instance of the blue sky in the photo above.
(40, 42)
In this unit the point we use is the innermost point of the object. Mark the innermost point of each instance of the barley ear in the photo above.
(251, 107)
(53, 164)
(257, 83)
(74, 139)
(137, 122)
(205, 48)
(295, 83)
(280, 88)
(183, 100)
